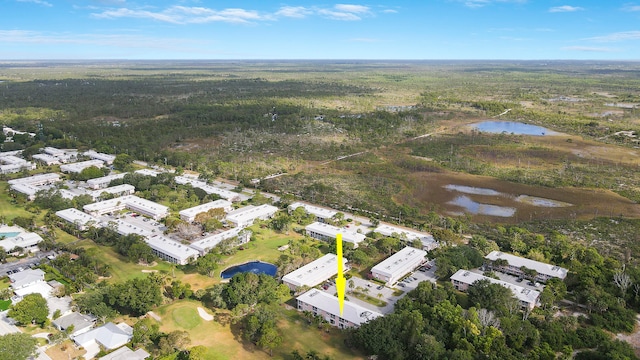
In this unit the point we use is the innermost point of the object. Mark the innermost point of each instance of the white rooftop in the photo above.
(208, 243)
(119, 202)
(319, 212)
(26, 189)
(521, 293)
(118, 189)
(314, 272)
(147, 172)
(388, 230)
(249, 213)
(40, 178)
(191, 212)
(76, 216)
(351, 312)
(105, 180)
(108, 158)
(400, 261)
(171, 247)
(79, 166)
(333, 231)
(125, 228)
(540, 267)
(24, 240)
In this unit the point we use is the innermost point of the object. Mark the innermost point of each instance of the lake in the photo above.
(512, 127)
(257, 267)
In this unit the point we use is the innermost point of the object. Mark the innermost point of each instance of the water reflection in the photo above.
(542, 202)
(477, 208)
(512, 127)
(472, 190)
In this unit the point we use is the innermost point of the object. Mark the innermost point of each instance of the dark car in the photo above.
(519, 279)
(531, 283)
(380, 287)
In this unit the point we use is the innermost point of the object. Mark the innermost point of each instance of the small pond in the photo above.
(477, 208)
(257, 267)
(512, 127)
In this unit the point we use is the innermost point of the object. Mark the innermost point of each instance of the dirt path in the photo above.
(154, 315)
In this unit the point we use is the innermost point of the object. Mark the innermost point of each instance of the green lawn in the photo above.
(4, 304)
(265, 248)
(370, 299)
(224, 342)
(186, 317)
(7, 209)
(121, 269)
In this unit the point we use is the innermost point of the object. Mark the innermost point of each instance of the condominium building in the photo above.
(171, 250)
(314, 273)
(462, 279)
(515, 265)
(79, 166)
(327, 306)
(78, 218)
(103, 182)
(190, 214)
(326, 232)
(245, 216)
(427, 240)
(399, 264)
(321, 214)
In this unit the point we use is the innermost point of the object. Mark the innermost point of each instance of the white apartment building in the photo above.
(321, 214)
(131, 202)
(37, 180)
(399, 264)
(245, 216)
(118, 190)
(205, 245)
(47, 159)
(462, 279)
(106, 158)
(326, 305)
(171, 250)
(103, 182)
(79, 166)
(190, 214)
(314, 273)
(80, 219)
(326, 232)
(515, 264)
(428, 242)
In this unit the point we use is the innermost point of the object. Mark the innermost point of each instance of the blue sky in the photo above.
(299, 29)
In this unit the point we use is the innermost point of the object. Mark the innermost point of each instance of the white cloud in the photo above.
(359, 9)
(481, 3)
(616, 37)
(187, 15)
(196, 15)
(346, 12)
(588, 49)
(294, 12)
(565, 8)
(118, 40)
(390, 11)
(39, 2)
(338, 15)
(631, 8)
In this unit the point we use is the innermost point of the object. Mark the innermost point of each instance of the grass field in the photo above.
(4, 304)
(7, 209)
(223, 342)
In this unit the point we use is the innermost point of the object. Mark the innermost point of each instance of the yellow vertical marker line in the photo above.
(341, 283)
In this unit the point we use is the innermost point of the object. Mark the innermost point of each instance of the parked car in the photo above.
(531, 283)
(380, 287)
(401, 284)
(519, 279)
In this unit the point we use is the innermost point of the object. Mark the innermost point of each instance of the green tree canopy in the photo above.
(17, 346)
(32, 309)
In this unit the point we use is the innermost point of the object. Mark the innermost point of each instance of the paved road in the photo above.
(24, 263)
